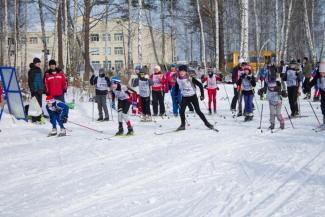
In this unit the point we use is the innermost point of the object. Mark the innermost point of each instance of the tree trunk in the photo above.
(162, 15)
(5, 51)
(130, 61)
(285, 47)
(60, 37)
(244, 32)
(140, 32)
(149, 21)
(40, 6)
(25, 41)
(202, 36)
(277, 34)
(16, 31)
(312, 50)
(86, 24)
(282, 30)
(172, 30)
(257, 29)
(65, 34)
(221, 36)
(216, 12)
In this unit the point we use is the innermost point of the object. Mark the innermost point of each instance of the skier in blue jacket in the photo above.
(58, 112)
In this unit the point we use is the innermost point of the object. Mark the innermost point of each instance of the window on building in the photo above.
(33, 40)
(94, 37)
(106, 37)
(96, 65)
(118, 37)
(94, 51)
(107, 64)
(48, 52)
(119, 64)
(47, 39)
(118, 50)
(11, 41)
(107, 51)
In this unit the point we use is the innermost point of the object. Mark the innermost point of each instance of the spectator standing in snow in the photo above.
(159, 80)
(102, 84)
(55, 82)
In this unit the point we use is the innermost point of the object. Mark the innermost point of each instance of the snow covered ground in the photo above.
(236, 172)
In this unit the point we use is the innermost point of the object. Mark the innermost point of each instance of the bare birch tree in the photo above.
(140, 32)
(288, 25)
(44, 42)
(202, 36)
(244, 30)
(5, 52)
(308, 33)
(217, 32)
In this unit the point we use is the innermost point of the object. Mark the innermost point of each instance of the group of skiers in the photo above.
(144, 90)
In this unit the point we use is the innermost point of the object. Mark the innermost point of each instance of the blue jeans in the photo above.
(179, 98)
(248, 103)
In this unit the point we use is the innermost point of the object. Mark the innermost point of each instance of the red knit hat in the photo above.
(50, 99)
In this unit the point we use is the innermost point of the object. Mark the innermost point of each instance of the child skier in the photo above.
(273, 94)
(212, 87)
(58, 112)
(320, 80)
(144, 85)
(247, 82)
(122, 93)
(186, 85)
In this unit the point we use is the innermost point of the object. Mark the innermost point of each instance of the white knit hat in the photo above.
(158, 68)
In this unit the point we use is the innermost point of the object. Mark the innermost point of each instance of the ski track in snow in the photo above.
(194, 173)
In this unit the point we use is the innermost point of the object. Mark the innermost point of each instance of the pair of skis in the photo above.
(163, 132)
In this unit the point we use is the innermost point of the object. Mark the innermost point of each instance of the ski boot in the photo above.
(282, 126)
(120, 129)
(53, 132)
(100, 119)
(63, 132)
(239, 114)
(210, 111)
(210, 126)
(130, 131)
(271, 127)
(106, 119)
(182, 127)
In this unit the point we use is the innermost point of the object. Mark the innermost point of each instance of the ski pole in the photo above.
(261, 119)
(314, 113)
(226, 94)
(289, 117)
(80, 125)
(258, 109)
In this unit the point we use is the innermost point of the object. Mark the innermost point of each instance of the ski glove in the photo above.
(201, 98)
(64, 119)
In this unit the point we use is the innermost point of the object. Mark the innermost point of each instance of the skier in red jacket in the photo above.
(55, 82)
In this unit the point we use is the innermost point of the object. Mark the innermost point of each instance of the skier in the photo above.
(319, 80)
(55, 82)
(211, 79)
(158, 91)
(292, 77)
(247, 82)
(171, 82)
(186, 85)
(102, 83)
(144, 85)
(58, 112)
(273, 94)
(307, 71)
(316, 88)
(236, 73)
(122, 94)
(136, 103)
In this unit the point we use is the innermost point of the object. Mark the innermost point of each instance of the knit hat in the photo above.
(36, 60)
(52, 62)
(182, 68)
(157, 67)
(116, 80)
(50, 99)
(322, 65)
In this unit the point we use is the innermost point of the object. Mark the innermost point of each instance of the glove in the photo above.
(243, 76)
(284, 94)
(235, 85)
(249, 78)
(64, 119)
(218, 89)
(58, 110)
(201, 97)
(206, 86)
